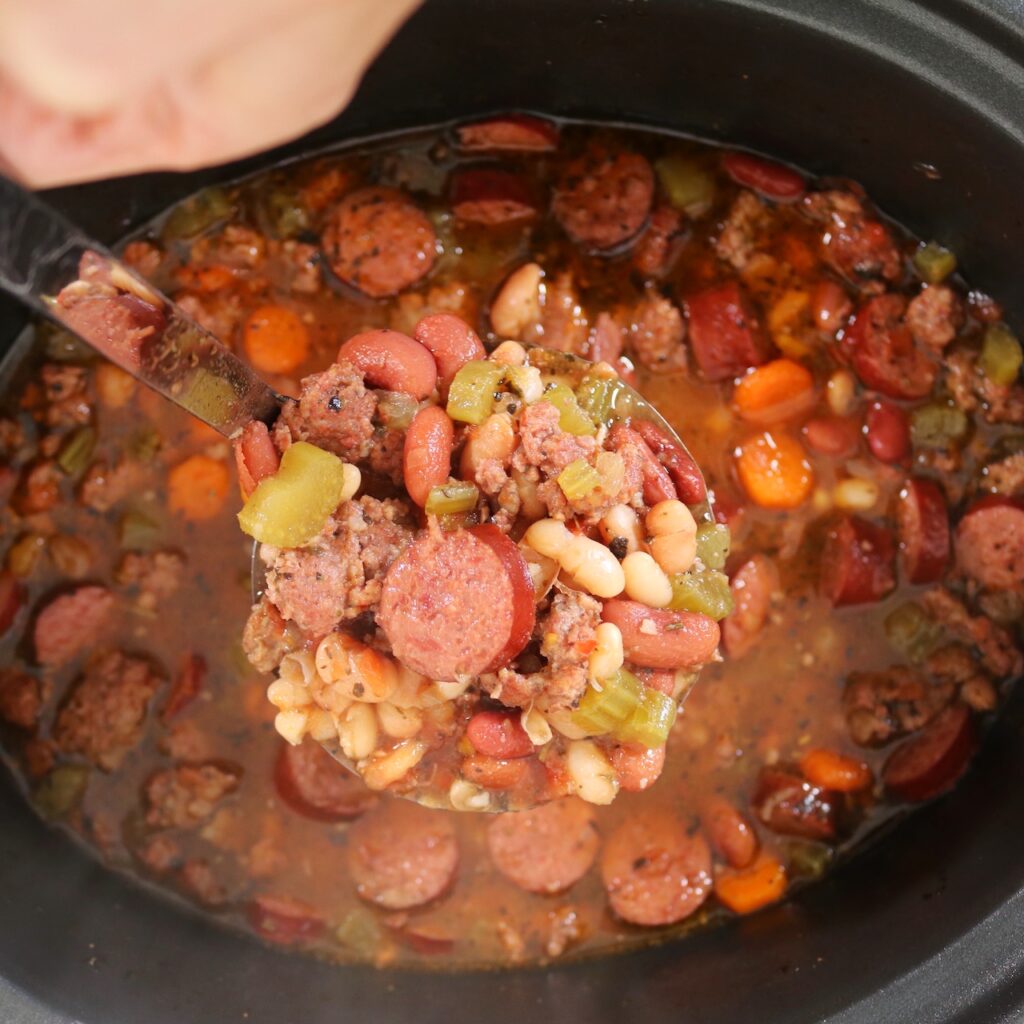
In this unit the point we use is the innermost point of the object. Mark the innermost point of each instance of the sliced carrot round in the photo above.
(774, 470)
(832, 770)
(774, 392)
(276, 340)
(746, 891)
(198, 487)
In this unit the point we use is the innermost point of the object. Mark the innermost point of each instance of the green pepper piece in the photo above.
(604, 399)
(76, 452)
(197, 213)
(396, 409)
(689, 186)
(285, 213)
(61, 791)
(651, 722)
(1001, 355)
(934, 262)
(706, 591)
(937, 425)
(713, 540)
(571, 418)
(136, 530)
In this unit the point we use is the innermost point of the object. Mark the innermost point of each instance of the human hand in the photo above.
(109, 87)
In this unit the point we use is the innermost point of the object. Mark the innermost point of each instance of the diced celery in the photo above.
(76, 452)
(602, 711)
(1001, 355)
(937, 425)
(137, 530)
(291, 507)
(912, 632)
(651, 722)
(62, 790)
(571, 418)
(805, 859)
(689, 186)
(452, 498)
(359, 932)
(934, 262)
(525, 382)
(604, 399)
(578, 479)
(197, 213)
(396, 409)
(285, 214)
(471, 395)
(706, 591)
(713, 541)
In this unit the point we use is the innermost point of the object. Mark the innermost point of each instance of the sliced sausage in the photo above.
(379, 241)
(654, 250)
(725, 335)
(313, 784)
(70, 623)
(508, 132)
(930, 762)
(391, 360)
(452, 343)
(458, 604)
(427, 452)
(402, 855)
(834, 436)
(752, 586)
(283, 920)
(888, 431)
(655, 638)
(791, 806)
(657, 484)
(990, 542)
(602, 198)
(117, 325)
(547, 849)
(857, 562)
(923, 522)
(499, 734)
(732, 836)
(681, 466)
(883, 352)
(491, 197)
(766, 177)
(256, 458)
(654, 872)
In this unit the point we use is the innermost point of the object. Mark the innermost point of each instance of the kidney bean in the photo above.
(657, 483)
(731, 835)
(830, 306)
(451, 341)
(391, 360)
(770, 179)
(499, 734)
(888, 431)
(834, 436)
(510, 131)
(654, 638)
(685, 472)
(791, 806)
(187, 685)
(752, 587)
(493, 772)
(427, 455)
(492, 197)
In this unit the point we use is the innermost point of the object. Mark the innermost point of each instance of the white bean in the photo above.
(384, 768)
(562, 722)
(509, 353)
(593, 777)
(357, 732)
(646, 581)
(495, 439)
(517, 305)
(353, 670)
(622, 521)
(667, 517)
(676, 552)
(532, 507)
(840, 392)
(464, 796)
(591, 564)
(291, 725)
(320, 725)
(351, 479)
(536, 726)
(856, 494)
(607, 656)
(399, 723)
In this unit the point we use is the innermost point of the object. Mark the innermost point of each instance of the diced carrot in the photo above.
(198, 487)
(746, 891)
(774, 392)
(205, 280)
(276, 340)
(832, 770)
(774, 470)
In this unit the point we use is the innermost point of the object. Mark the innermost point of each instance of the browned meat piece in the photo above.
(39, 756)
(334, 411)
(655, 333)
(199, 881)
(656, 247)
(973, 390)
(791, 806)
(220, 314)
(882, 706)
(160, 854)
(235, 246)
(954, 663)
(544, 444)
(103, 714)
(999, 654)
(154, 576)
(1007, 475)
(142, 256)
(67, 395)
(338, 576)
(21, 698)
(266, 639)
(40, 488)
(934, 316)
(745, 224)
(104, 486)
(12, 436)
(386, 454)
(187, 794)
(855, 243)
(301, 264)
(70, 623)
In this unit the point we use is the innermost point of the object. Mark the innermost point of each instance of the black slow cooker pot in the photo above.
(924, 104)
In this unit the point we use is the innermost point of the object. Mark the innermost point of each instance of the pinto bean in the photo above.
(499, 734)
(657, 483)
(451, 341)
(772, 180)
(888, 431)
(427, 455)
(391, 360)
(655, 638)
(834, 436)
(637, 767)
